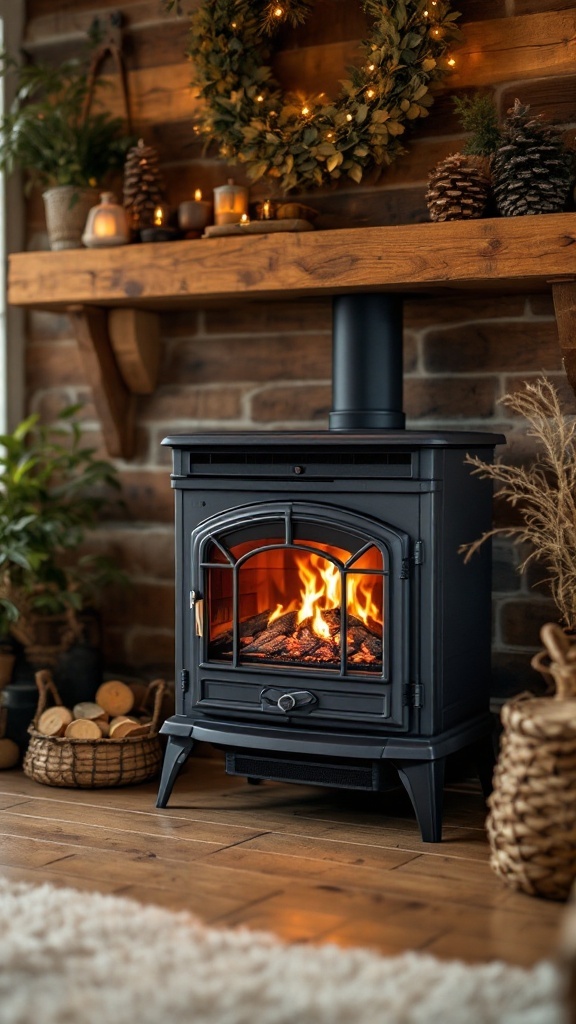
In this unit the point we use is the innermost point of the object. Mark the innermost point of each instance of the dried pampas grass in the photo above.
(544, 493)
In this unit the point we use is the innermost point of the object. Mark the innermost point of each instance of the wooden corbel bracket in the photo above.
(564, 296)
(120, 350)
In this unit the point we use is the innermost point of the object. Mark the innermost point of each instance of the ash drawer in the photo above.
(329, 700)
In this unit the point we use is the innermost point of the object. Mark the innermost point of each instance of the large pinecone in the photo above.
(143, 186)
(532, 169)
(458, 188)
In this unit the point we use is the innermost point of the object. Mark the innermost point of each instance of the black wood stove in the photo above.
(328, 631)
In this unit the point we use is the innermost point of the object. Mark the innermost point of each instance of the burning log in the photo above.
(286, 640)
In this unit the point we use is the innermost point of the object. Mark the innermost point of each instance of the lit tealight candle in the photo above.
(244, 219)
(194, 215)
(160, 230)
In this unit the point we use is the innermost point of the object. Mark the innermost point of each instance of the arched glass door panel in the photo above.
(296, 601)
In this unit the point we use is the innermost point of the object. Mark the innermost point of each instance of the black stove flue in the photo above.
(327, 630)
(367, 363)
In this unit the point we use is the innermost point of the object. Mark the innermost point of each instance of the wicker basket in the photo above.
(92, 764)
(532, 819)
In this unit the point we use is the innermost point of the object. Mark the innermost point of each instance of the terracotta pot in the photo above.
(66, 208)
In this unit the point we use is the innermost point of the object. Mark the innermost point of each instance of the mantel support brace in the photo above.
(120, 349)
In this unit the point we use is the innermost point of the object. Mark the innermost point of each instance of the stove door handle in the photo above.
(199, 616)
(289, 700)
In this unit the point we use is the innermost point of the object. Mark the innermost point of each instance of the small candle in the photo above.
(230, 202)
(244, 219)
(266, 210)
(107, 223)
(194, 214)
(160, 229)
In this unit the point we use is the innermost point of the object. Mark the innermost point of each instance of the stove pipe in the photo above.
(367, 363)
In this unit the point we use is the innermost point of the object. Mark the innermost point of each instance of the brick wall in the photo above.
(268, 366)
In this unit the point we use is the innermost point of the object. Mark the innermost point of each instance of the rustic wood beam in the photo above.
(564, 296)
(135, 339)
(114, 403)
(509, 253)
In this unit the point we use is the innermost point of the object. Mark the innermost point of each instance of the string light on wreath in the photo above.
(304, 143)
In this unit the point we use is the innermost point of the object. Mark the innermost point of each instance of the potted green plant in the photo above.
(53, 490)
(65, 148)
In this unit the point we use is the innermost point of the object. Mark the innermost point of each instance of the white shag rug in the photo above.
(81, 958)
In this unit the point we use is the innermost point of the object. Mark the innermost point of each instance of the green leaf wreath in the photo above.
(304, 142)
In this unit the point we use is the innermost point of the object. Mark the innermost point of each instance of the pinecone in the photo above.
(532, 169)
(143, 186)
(458, 188)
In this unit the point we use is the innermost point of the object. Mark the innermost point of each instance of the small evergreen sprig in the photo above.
(479, 116)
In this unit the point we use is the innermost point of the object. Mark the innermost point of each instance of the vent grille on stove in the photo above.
(225, 457)
(341, 775)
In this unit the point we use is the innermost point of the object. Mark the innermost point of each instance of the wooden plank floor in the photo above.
(309, 864)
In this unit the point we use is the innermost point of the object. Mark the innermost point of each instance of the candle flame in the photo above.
(158, 216)
(198, 195)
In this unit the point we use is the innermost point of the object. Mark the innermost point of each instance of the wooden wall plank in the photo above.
(530, 46)
(156, 94)
(553, 97)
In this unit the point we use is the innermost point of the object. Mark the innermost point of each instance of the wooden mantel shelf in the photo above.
(113, 294)
(519, 252)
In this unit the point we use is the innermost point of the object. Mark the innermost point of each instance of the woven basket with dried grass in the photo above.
(92, 763)
(532, 819)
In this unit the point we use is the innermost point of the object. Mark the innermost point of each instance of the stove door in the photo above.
(300, 611)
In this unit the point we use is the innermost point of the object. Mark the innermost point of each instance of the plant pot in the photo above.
(18, 703)
(7, 659)
(75, 659)
(66, 208)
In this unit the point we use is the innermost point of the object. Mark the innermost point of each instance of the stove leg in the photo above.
(424, 783)
(177, 753)
(485, 761)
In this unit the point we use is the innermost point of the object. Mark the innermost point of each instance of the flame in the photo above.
(361, 602)
(321, 592)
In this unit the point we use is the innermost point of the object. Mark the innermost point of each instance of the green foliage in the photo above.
(46, 134)
(478, 115)
(308, 142)
(52, 490)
